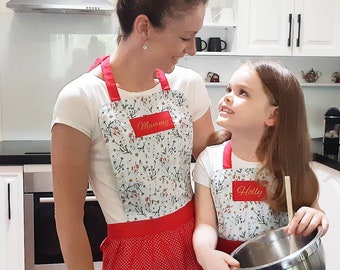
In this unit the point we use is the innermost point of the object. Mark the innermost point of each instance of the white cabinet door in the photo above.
(288, 27)
(319, 23)
(263, 27)
(11, 218)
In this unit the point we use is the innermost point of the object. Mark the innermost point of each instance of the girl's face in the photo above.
(170, 44)
(245, 106)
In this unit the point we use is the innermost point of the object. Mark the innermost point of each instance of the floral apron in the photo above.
(241, 212)
(149, 140)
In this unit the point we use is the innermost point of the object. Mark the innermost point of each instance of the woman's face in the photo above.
(245, 107)
(176, 39)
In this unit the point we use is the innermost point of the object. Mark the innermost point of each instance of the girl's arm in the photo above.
(205, 235)
(70, 168)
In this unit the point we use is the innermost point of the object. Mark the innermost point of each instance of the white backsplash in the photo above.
(39, 53)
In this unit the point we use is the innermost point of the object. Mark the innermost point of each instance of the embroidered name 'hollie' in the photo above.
(248, 191)
(152, 123)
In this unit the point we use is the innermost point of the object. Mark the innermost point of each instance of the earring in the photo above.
(145, 46)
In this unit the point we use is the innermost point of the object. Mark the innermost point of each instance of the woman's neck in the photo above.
(130, 73)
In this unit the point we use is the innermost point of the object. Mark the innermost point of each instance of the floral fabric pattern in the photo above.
(242, 220)
(152, 172)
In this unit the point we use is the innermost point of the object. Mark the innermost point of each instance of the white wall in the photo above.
(39, 53)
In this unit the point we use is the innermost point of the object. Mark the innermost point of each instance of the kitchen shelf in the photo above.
(331, 85)
(215, 53)
(218, 26)
(216, 84)
(313, 85)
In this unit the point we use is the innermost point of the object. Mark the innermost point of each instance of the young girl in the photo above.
(239, 189)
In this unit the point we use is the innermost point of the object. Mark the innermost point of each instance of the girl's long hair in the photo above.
(285, 147)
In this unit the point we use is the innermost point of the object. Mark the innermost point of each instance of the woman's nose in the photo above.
(191, 48)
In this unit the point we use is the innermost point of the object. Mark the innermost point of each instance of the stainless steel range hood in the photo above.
(98, 7)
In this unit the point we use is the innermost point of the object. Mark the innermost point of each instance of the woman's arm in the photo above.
(205, 234)
(203, 128)
(70, 154)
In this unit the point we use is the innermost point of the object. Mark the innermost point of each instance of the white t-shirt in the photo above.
(77, 106)
(211, 160)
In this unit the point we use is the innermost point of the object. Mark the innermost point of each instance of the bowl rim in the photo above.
(290, 260)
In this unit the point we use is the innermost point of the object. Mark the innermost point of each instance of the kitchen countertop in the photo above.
(19, 152)
(317, 150)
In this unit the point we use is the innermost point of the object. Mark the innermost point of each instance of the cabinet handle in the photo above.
(299, 28)
(290, 29)
(9, 199)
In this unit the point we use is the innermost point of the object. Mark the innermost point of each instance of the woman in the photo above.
(130, 130)
(239, 187)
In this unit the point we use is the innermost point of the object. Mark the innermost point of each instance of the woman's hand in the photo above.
(306, 220)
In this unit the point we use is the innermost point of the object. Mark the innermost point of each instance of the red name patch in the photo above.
(152, 123)
(248, 191)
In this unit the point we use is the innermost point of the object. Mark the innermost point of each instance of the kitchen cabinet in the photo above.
(11, 218)
(288, 27)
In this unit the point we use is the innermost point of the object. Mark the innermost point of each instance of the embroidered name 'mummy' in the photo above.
(152, 123)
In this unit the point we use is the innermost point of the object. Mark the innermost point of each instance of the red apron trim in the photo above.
(152, 123)
(248, 191)
(162, 79)
(228, 246)
(152, 226)
(109, 80)
(227, 156)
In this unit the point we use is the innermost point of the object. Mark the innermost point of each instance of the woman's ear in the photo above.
(142, 25)
(271, 119)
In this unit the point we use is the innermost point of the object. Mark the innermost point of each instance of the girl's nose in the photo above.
(228, 97)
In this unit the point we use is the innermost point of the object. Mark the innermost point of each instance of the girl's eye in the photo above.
(227, 89)
(243, 93)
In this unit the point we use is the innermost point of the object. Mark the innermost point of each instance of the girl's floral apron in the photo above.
(241, 212)
(149, 139)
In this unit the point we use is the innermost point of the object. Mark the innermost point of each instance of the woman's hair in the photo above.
(285, 147)
(155, 10)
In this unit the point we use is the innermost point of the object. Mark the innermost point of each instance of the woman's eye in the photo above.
(185, 39)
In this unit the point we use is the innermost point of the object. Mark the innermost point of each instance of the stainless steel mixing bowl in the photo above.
(276, 250)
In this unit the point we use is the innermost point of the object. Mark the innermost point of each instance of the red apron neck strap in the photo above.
(227, 156)
(109, 80)
(162, 79)
(111, 83)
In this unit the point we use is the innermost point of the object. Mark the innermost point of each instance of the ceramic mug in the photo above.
(216, 44)
(201, 45)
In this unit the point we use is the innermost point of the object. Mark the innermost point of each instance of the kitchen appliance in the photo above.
(98, 7)
(42, 249)
(332, 133)
(278, 250)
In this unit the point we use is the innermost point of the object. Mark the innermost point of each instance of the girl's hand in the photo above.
(306, 220)
(218, 260)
